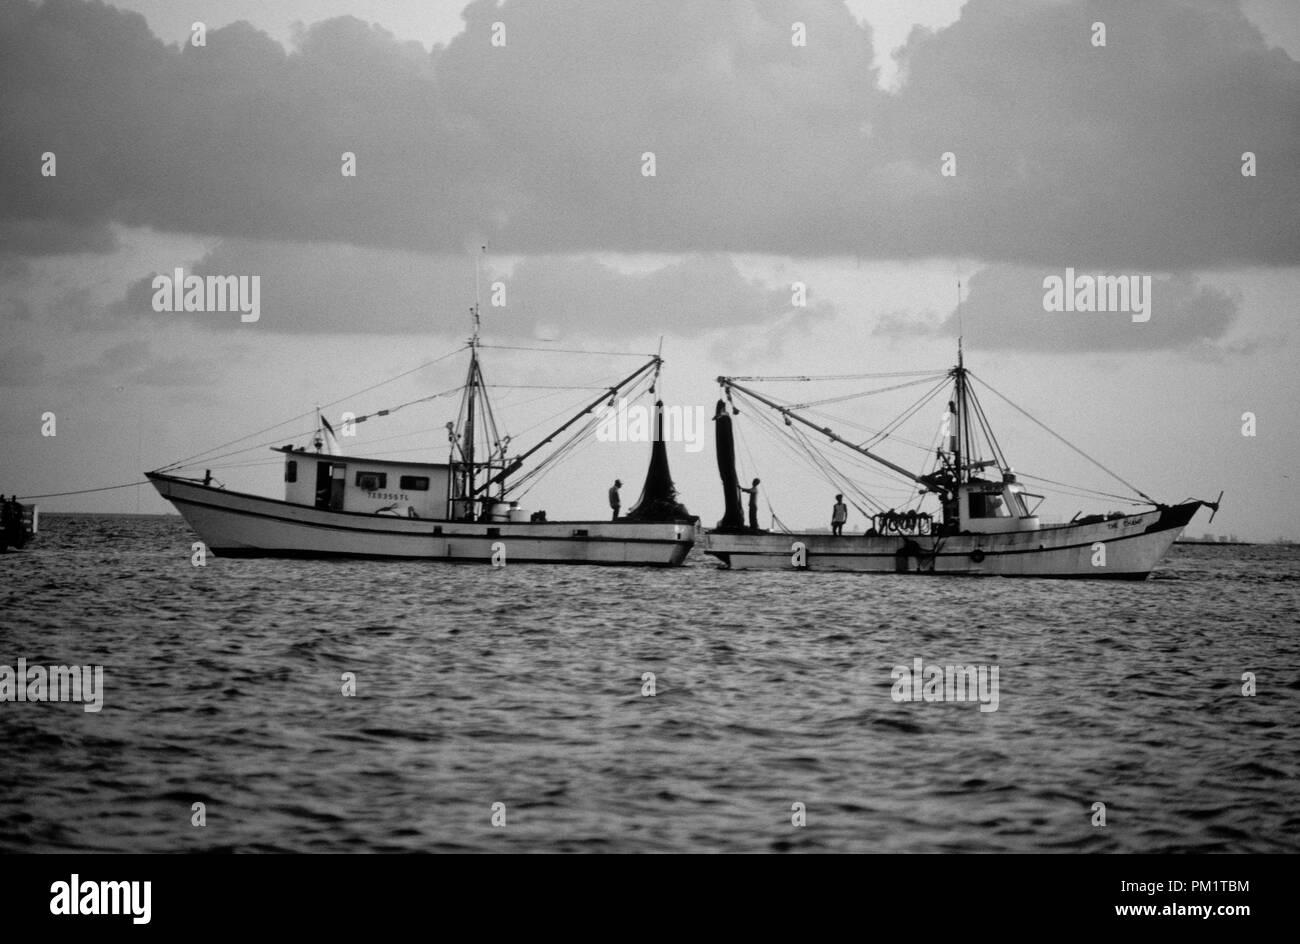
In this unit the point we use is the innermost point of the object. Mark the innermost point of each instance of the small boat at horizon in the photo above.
(19, 523)
(985, 524)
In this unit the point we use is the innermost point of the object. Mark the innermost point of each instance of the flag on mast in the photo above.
(331, 441)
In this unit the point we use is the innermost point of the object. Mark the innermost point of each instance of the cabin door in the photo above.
(330, 482)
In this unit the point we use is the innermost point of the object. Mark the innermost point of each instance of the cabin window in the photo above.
(372, 481)
(988, 506)
(1030, 510)
(414, 483)
(291, 471)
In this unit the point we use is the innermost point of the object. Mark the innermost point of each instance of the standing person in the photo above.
(614, 501)
(752, 491)
(839, 515)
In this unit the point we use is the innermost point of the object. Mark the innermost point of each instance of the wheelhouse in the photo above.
(367, 486)
(988, 507)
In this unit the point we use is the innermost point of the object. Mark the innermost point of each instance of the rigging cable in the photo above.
(558, 350)
(1068, 443)
(842, 398)
(754, 465)
(806, 378)
(189, 459)
(906, 415)
(820, 464)
(83, 491)
(563, 451)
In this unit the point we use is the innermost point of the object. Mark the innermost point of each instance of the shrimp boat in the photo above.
(986, 521)
(460, 510)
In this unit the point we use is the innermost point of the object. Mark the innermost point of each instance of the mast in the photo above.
(471, 390)
(962, 450)
(473, 380)
(497, 467)
(959, 374)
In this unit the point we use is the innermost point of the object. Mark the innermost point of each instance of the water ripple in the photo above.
(524, 687)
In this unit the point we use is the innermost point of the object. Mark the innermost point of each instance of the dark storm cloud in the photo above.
(344, 289)
(1125, 155)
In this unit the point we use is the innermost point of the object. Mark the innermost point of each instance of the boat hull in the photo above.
(236, 524)
(1132, 546)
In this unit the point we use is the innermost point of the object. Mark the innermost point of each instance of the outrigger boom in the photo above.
(730, 384)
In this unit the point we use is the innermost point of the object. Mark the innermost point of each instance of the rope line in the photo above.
(1066, 442)
(83, 491)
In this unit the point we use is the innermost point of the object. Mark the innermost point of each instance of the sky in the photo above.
(879, 154)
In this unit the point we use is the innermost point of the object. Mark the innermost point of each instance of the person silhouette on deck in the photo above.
(614, 501)
(752, 491)
(839, 515)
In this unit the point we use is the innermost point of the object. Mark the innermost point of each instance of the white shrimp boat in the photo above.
(460, 510)
(984, 525)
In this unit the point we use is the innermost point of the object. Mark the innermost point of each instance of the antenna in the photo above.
(478, 300)
(960, 327)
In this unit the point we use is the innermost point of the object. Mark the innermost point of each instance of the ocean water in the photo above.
(522, 686)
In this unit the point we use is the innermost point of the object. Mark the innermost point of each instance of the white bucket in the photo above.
(500, 511)
(520, 514)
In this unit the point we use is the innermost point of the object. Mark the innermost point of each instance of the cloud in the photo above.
(1127, 155)
(689, 297)
(132, 362)
(135, 363)
(42, 237)
(16, 279)
(333, 288)
(21, 366)
(40, 294)
(1004, 311)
